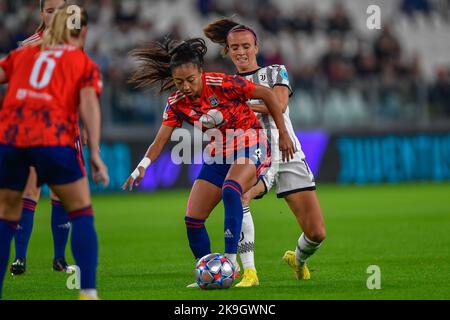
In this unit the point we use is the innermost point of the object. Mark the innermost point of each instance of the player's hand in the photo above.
(99, 171)
(134, 179)
(287, 147)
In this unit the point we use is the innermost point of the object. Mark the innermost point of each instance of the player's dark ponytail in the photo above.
(219, 30)
(157, 61)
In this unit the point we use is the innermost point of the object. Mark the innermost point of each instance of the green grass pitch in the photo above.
(144, 254)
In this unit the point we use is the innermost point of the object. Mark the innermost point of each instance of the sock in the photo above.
(7, 230)
(305, 249)
(198, 237)
(232, 257)
(246, 247)
(85, 246)
(231, 195)
(24, 228)
(60, 229)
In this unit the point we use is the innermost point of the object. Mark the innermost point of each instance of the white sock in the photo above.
(246, 246)
(91, 293)
(232, 258)
(305, 249)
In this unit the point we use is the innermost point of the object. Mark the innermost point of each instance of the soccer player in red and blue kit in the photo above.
(60, 221)
(210, 101)
(48, 86)
(294, 180)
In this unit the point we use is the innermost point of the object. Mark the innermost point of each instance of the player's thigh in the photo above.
(74, 195)
(61, 169)
(14, 171)
(306, 208)
(32, 191)
(203, 199)
(243, 171)
(80, 157)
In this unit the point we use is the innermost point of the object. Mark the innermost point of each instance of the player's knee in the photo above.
(12, 199)
(11, 205)
(246, 199)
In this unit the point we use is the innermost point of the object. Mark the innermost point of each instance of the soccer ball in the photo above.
(214, 271)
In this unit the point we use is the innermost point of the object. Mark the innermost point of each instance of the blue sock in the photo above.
(85, 246)
(60, 229)
(231, 195)
(24, 229)
(7, 230)
(198, 237)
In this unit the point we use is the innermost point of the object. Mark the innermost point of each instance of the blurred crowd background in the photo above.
(345, 76)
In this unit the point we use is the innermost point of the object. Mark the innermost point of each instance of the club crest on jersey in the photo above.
(213, 101)
(263, 77)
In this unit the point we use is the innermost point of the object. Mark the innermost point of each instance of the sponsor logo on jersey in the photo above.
(212, 119)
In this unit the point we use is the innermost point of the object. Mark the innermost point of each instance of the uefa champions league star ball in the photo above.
(214, 271)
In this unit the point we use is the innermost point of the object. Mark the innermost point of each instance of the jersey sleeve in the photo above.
(6, 63)
(171, 118)
(92, 77)
(281, 78)
(237, 87)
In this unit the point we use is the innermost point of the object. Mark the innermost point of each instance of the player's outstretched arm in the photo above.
(153, 152)
(282, 93)
(271, 101)
(91, 118)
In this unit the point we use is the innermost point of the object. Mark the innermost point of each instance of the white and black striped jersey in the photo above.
(271, 76)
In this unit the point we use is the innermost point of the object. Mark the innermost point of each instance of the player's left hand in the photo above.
(99, 171)
(287, 147)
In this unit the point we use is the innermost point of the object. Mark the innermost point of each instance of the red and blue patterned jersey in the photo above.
(222, 106)
(41, 103)
(33, 40)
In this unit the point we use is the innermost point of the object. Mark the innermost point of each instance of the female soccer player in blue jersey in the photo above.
(294, 180)
(210, 101)
(60, 220)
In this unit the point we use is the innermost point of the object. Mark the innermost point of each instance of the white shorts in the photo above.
(289, 177)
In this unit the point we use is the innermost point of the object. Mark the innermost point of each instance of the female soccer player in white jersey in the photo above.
(294, 180)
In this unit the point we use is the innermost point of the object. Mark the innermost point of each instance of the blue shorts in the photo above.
(54, 166)
(216, 173)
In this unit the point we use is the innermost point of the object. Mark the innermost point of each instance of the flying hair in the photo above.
(157, 61)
